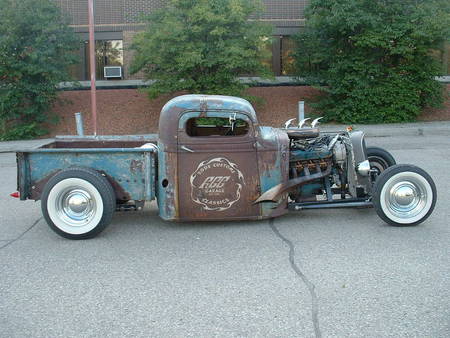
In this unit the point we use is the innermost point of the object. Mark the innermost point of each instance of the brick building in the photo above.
(117, 21)
(129, 111)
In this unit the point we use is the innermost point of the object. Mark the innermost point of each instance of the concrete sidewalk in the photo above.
(441, 128)
(12, 146)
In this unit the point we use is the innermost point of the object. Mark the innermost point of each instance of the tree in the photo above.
(373, 58)
(202, 46)
(36, 49)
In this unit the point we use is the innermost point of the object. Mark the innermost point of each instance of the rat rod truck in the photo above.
(212, 161)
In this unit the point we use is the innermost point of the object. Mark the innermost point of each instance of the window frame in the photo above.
(186, 116)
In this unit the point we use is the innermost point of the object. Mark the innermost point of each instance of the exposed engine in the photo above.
(314, 155)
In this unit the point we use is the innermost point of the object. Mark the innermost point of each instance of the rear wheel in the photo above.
(404, 195)
(78, 203)
(379, 160)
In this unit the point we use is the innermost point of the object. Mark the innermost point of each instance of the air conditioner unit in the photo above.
(112, 72)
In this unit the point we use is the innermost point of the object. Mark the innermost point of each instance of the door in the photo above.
(217, 166)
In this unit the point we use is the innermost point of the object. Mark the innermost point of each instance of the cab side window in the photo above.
(216, 126)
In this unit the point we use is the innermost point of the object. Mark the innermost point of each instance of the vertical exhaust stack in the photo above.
(79, 122)
(301, 110)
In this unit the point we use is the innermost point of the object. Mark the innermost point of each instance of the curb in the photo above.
(390, 130)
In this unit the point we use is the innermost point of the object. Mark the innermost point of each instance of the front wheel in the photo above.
(404, 195)
(379, 159)
(78, 203)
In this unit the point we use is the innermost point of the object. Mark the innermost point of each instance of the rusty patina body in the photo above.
(249, 164)
(212, 161)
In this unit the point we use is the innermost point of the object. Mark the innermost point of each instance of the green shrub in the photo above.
(202, 46)
(36, 48)
(372, 58)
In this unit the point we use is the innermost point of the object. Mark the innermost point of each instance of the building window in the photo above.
(107, 53)
(287, 49)
(268, 59)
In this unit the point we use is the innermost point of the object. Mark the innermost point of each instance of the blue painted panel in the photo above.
(268, 134)
(129, 169)
(301, 155)
(90, 150)
(160, 191)
(311, 189)
(167, 196)
(270, 171)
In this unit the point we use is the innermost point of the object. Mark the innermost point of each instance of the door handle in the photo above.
(187, 149)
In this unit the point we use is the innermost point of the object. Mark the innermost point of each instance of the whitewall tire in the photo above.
(78, 203)
(404, 195)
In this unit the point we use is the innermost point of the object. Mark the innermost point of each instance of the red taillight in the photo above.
(15, 194)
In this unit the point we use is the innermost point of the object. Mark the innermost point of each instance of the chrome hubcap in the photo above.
(406, 199)
(76, 206)
(404, 195)
(77, 202)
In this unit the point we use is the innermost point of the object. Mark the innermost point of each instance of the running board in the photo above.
(350, 203)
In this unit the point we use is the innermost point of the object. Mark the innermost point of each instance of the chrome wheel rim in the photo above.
(406, 197)
(75, 206)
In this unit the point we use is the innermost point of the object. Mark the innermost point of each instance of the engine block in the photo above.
(309, 156)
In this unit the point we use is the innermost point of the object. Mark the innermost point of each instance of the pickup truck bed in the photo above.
(128, 162)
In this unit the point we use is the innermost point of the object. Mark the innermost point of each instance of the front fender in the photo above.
(359, 183)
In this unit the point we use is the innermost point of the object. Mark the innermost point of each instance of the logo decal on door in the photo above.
(216, 184)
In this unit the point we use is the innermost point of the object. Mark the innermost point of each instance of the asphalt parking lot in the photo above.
(333, 273)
